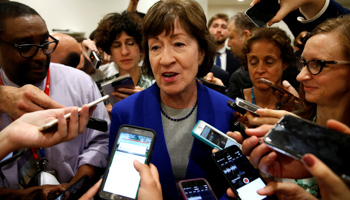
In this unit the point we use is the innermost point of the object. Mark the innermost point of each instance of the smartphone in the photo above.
(234, 106)
(110, 86)
(247, 105)
(238, 126)
(212, 136)
(76, 190)
(243, 178)
(121, 180)
(95, 60)
(276, 87)
(295, 137)
(262, 12)
(216, 87)
(198, 189)
(54, 122)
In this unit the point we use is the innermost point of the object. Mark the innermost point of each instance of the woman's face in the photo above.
(264, 61)
(174, 60)
(125, 52)
(332, 84)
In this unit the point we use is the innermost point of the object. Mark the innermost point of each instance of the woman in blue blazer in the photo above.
(178, 49)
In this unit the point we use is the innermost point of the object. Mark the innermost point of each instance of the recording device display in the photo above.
(196, 189)
(212, 136)
(262, 12)
(95, 60)
(76, 190)
(243, 178)
(276, 87)
(216, 87)
(121, 180)
(110, 86)
(247, 105)
(295, 137)
(234, 106)
(54, 122)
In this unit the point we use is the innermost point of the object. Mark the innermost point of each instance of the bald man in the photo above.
(68, 51)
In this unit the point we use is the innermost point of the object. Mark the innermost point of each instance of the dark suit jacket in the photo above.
(143, 109)
(232, 63)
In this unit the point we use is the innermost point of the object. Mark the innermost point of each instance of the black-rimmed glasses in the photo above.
(315, 66)
(30, 50)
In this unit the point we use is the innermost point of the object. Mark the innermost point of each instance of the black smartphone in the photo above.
(243, 178)
(276, 87)
(262, 12)
(76, 190)
(247, 105)
(238, 126)
(94, 58)
(198, 189)
(295, 137)
(219, 88)
(121, 180)
(124, 81)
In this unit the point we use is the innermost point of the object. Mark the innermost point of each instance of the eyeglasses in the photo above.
(315, 66)
(30, 50)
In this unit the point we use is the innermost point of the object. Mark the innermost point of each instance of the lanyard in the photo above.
(47, 92)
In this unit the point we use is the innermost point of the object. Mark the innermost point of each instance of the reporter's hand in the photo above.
(28, 98)
(24, 132)
(123, 93)
(286, 191)
(92, 191)
(308, 8)
(267, 116)
(38, 192)
(150, 187)
(212, 79)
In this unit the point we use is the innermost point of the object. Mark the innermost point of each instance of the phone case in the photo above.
(295, 137)
(276, 87)
(112, 85)
(262, 12)
(180, 184)
(207, 142)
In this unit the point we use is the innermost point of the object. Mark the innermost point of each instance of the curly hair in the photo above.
(113, 24)
(162, 16)
(273, 35)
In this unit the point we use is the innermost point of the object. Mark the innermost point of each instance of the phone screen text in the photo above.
(198, 192)
(122, 178)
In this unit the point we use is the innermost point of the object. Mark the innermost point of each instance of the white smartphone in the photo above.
(247, 105)
(212, 136)
(54, 122)
(121, 180)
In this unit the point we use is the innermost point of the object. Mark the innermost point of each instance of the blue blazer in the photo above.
(143, 109)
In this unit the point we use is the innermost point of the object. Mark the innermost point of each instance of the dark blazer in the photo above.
(333, 10)
(143, 109)
(232, 63)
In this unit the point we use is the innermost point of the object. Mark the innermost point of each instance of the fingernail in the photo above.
(285, 83)
(308, 160)
(136, 162)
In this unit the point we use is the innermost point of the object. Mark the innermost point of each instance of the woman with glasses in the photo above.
(324, 92)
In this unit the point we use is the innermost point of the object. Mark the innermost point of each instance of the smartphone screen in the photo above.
(76, 190)
(196, 189)
(262, 12)
(216, 138)
(121, 178)
(243, 178)
(295, 137)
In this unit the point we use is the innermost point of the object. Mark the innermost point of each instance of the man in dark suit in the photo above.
(218, 28)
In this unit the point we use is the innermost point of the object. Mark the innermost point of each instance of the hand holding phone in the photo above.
(124, 81)
(54, 122)
(216, 87)
(243, 178)
(94, 58)
(278, 88)
(196, 189)
(121, 180)
(212, 136)
(262, 12)
(295, 137)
